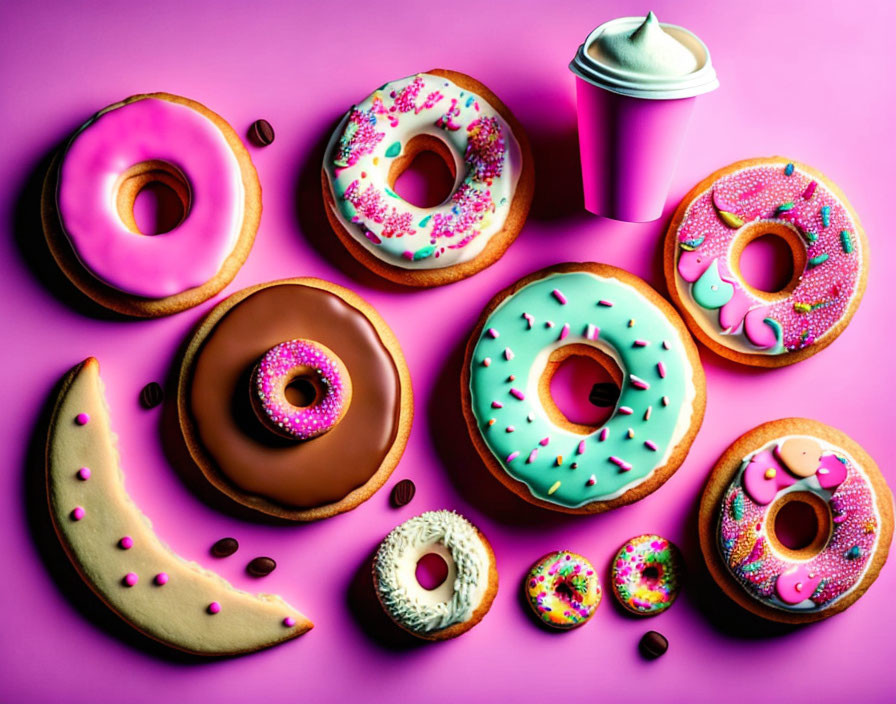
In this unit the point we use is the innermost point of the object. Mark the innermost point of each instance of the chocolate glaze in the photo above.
(304, 474)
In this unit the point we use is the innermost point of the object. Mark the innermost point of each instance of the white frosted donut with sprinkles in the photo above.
(724, 213)
(484, 148)
(843, 532)
(461, 600)
(588, 310)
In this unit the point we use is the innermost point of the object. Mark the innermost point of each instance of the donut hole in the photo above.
(565, 591)
(769, 258)
(566, 385)
(301, 392)
(799, 525)
(424, 173)
(431, 571)
(651, 574)
(152, 198)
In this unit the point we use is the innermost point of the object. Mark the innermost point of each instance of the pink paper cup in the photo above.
(629, 148)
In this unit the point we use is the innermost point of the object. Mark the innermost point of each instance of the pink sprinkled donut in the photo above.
(724, 213)
(316, 374)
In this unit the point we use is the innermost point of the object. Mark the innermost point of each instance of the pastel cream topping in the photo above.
(361, 152)
(457, 541)
(649, 49)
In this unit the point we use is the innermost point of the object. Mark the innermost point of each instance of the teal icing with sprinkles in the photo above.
(558, 465)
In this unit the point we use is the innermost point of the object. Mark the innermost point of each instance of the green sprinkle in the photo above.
(788, 170)
(811, 237)
(737, 506)
(424, 221)
(423, 253)
(348, 209)
(845, 241)
(784, 207)
(826, 215)
(802, 307)
(391, 193)
(394, 149)
(818, 261)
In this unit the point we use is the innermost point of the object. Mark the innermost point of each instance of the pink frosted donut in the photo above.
(844, 544)
(157, 138)
(327, 389)
(738, 204)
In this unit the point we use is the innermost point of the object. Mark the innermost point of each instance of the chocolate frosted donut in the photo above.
(298, 480)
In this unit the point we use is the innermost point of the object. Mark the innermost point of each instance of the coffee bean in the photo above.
(261, 566)
(403, 492)
(151, 395)
(653, 644)
(225, 547)
(604, 394)
(261, 133)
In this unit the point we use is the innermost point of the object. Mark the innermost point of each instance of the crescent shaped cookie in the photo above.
(114, 548)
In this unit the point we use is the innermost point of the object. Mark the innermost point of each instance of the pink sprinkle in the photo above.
(84, 474)
(648, 412)
(529, 319)
(289, 622)
(661, 368)
(564, 331)
(641, 343)
(581, 448)
(604, 434)
(544, 442)
(82, 419)
(508, 353)
(126, 543)
(625, 411)
(650, 445)
(161, 579)
(810, 190)
(840, 518)
(592, 480)
(492, 333)
(78, 513)
(487, 362)
(591, 332)
(512, 377)
(408, 254)
(130, 579)
(638, 383)
(666, 345)
(558, 294)
(607, 304)
(665, 400)
(622, 464)
(518, 394)
(510, 429)
(512, 456)
(532, 455)
(497, 404)
(549, 323)
(214, 608)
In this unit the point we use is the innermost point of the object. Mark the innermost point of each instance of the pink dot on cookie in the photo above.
(214, 608)
(126, 543)
(78, 513)
(130, 579)
(160, 579)
(84, 474)
(82, 419)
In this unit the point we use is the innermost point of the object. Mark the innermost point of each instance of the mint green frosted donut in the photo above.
(656, 405)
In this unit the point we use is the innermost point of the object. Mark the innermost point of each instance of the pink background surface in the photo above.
(800, 79)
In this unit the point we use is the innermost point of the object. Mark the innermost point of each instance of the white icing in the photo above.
(376, 166)
(457, 541)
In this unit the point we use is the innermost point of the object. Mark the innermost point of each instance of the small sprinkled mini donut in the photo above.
(88, 205)
(320, 369)
(482, 144)
(454, 606)
(647, 575)
(563, 590)
(617, 320)
(724, 213)
(847, 500)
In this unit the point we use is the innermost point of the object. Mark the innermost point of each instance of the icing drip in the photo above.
(396, 559)
(360, 155)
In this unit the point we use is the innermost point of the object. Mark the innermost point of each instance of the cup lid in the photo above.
(642, 85)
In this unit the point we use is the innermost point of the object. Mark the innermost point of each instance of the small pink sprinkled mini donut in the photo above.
(301, 389)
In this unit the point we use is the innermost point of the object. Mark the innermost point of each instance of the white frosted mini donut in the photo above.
(458, 603)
